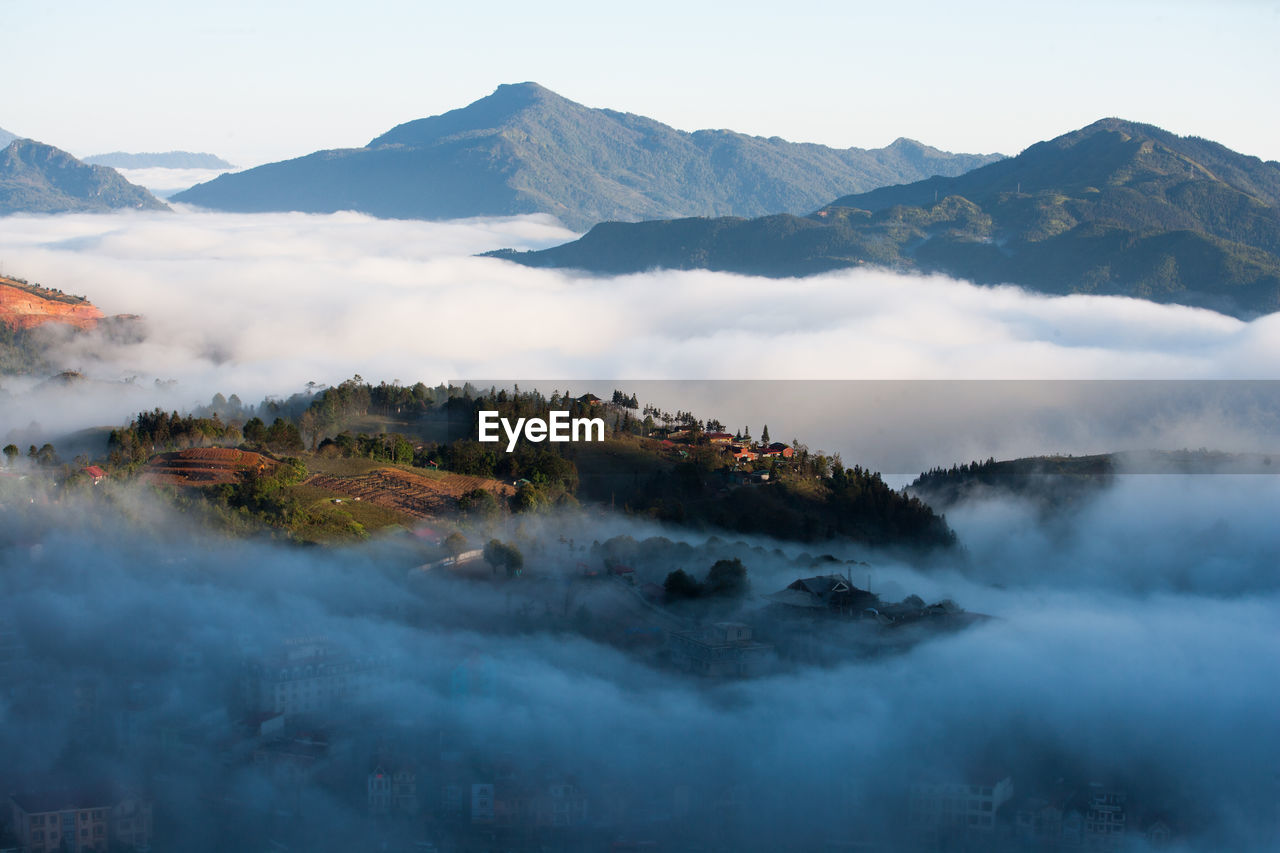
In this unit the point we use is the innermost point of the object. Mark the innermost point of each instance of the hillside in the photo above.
(38, 178)
(6, 137)
(1114, 208)
(1055, 484)
(25, 306)
(163, 160)
(525, 149)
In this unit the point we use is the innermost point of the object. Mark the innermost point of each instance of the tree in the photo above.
(292, 471)
(680, 586)
(455, 543)
(309, 425)
(255, 431)
(283, 437)
(11, 452)
(728, 578)
(764, 435)
(529, 498)
(502, 555)
(480, 502)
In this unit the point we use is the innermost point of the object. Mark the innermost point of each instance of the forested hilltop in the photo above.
(301, 464)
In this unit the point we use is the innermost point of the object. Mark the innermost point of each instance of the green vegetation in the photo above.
(265, 495)
(1115, 208)
(504, 556)
(727, 578)
(525, 149)
(682, 478)
(21, 350)
(38, 178)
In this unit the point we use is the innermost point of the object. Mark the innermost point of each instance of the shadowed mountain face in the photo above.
(525, 149)
(1115, 208)
(38, 178)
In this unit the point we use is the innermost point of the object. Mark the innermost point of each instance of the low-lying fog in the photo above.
(1134, 646)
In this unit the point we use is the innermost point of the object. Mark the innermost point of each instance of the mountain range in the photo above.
(6, 137)
(525, 149)
(38, 178)
(1116, 208)
(163, 160)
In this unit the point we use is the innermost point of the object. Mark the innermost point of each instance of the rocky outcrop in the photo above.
(25, 306)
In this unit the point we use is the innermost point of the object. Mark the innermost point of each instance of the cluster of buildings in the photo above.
(836, 595)
(307, 674)
(88, 820)
(737, 447)
(983, 812)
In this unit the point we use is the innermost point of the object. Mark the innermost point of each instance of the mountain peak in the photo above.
(525, 149)
(528, 92)
(492, 111)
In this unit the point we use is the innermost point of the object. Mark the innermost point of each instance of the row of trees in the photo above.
(44, 455)
(725, 579)
(158, 431)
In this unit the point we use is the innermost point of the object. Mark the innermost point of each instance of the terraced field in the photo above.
(204, 466)
(418, 495)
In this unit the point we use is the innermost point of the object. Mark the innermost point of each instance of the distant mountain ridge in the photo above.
(525, 149)
(38, 178)
(6, 137)
(1115, 208)
(163, 160)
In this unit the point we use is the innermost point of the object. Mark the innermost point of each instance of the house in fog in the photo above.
(825, 594)
(392, 787)
(957, 811)
(722, 650)
(307, 674)
(1105, 819)
(87, 820)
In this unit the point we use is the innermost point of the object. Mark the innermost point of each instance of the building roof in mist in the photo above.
(818, 592)
(94, 796)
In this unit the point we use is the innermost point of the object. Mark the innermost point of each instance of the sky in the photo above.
(261, 81)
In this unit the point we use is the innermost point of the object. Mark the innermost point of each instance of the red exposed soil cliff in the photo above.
(25, 306)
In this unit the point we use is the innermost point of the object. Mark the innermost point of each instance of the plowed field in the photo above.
(418, 495)
(204, 466)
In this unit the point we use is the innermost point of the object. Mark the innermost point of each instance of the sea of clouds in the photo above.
(1135, 639)
(261, 304)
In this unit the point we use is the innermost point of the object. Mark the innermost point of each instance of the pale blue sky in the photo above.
(258, 81)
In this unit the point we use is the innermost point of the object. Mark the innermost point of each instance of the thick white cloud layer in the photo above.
(165, 182)
(262, 304)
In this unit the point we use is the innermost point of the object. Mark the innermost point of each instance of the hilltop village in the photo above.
(297, 467)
